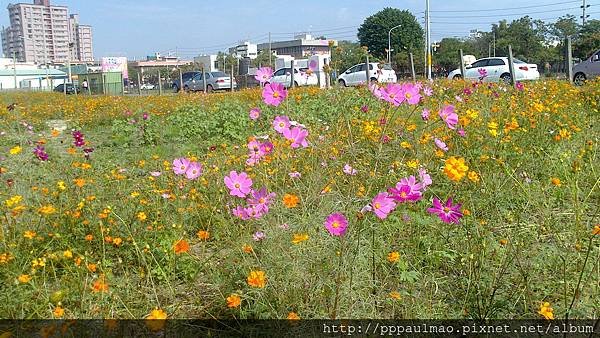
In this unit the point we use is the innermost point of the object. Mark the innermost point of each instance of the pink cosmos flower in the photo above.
(274, 93)
(336, 224)
(375, 90)
(263, 74)
(448, 213)
(295, 174)
(425, 114)
(427, 91)
(425, 178)
(449, 116)
(193, 171)
(482, 73)
(281, 123)
(239, 184)
(297, 136)
(364, 108)
(261, 199)
(254, 113)
(258, 236)
(411, 93)
(155, 173)
(180, 165)
(285, 226)
(348, 170)
(440, 144)
(382, 205)
(240, 212)
(412, 183)
(393, 93)
(461, 132)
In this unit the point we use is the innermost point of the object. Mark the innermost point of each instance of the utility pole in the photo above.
(270, 51)
(584, 16)
(428, 28)
(15, 68)
(494, 45)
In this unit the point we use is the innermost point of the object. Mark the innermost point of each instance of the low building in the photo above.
(303, 45)
(41, 79)
(210, 62)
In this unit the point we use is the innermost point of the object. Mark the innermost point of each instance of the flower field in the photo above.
(432, 200)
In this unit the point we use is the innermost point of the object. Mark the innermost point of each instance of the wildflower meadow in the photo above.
(412, 200)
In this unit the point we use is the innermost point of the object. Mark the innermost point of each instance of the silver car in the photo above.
(587, 69)
(214, 81)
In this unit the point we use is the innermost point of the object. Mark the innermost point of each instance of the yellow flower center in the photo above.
(335, 225)
(392, 96)
(275, 94)
(182, 167)
(237, 185)
(408, 95)
(403, 194)
(377, 205)
(446, 209)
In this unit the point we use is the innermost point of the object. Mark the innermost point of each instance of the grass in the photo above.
(526, 238)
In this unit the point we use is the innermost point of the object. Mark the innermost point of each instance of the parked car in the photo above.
(147, 86)
(214, 81)
(302, 77)
(185, 77)
(587, 69)
(357, 74)
(71, 89)
(496, 69)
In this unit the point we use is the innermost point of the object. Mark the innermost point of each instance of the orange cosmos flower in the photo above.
(233, 301)
(181, 246)
(257, 279)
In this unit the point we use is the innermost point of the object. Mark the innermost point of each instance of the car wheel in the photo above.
(175, 89)
(295, 84)
(186, 89)
(579, 79)
(342, 83)
(506, 78)
(209, 89)
(457, 77)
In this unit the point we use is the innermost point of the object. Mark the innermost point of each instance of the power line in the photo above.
(506, 8)
(496, 15)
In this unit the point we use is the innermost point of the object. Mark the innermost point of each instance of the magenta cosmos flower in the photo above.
(393, 94)
(407, 190)
(411, 93)
(180, 165)
(297, 136)
(336, 224)
(194, 170)
(239, 184)
(448, 213)
(254, 113)
(274, 93)
(263, 74)
(281, 123)
(382, 205)
(449, 116)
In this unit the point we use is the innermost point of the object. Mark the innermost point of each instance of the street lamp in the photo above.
(390, 43)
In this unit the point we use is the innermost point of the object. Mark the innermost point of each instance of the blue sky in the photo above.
(139, 28)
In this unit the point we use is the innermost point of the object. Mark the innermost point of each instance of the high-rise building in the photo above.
(44, 33)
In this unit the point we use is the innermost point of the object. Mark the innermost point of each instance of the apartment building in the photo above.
(303, 45)
(44, 33)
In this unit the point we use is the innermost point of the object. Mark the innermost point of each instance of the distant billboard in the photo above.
(115, 64)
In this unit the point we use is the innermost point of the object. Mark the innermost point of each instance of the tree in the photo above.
(563, 27)
(262, 59)
(346, 55)
(447, 55)
(373, 33)
(588, 40)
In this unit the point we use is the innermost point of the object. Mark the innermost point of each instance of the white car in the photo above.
(147, 86)
(302, 77)
(495, 69)
(357, 74)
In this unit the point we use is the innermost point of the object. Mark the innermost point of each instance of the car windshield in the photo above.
(218, 74)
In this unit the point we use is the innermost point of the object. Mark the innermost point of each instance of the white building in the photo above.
(244, 50)
(42, 33)
(210, 62)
